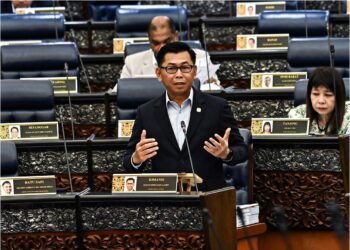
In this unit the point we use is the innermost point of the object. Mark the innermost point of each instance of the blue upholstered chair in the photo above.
(133, 21)
(306, 54)
(44, 27)
(105, 10)
(129, 97)
(27, 101)
(310, 23)
(39, 60)
(132, 48)
(9, 163)
(301, 87)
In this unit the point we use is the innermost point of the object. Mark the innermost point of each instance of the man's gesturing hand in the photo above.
(145, 149)
(219, 147)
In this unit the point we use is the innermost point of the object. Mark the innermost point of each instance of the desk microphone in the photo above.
(331, 59)
(282, 226)
(90, 162)
(183, 126)
(66, 152)
(178, 19)
(246, 236)
(69, 101)
(206, 54)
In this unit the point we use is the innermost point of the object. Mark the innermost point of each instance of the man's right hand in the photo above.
(145, 149)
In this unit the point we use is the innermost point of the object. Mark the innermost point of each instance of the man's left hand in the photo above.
(218, 147)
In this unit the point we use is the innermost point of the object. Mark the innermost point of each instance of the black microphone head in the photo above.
(183, 125)
(331, 48)
(66, 66)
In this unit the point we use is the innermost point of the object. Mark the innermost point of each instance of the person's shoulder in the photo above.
(298, 112)
(139, 55)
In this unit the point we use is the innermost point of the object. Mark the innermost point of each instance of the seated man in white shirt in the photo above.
(162, 30)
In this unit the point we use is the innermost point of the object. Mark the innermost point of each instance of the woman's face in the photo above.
(267, 128)
(322, 100)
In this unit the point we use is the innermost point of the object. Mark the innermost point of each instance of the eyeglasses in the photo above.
(174, 69)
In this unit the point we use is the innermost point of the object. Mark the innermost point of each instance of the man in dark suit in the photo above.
(157, 134)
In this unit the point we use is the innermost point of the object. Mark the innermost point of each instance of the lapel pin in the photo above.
(199, 110)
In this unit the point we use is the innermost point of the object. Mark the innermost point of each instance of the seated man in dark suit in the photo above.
(157, 134)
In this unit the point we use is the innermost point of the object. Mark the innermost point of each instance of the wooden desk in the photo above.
(254, 232)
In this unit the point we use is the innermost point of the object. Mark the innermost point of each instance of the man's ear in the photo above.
(176, 36)
(158, 74)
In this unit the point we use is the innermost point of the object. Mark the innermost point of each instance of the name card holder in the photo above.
(276, 80)
(38, 10)
(280, 126)
(28, 185)
(3, 43)
(262, 41)
(187, 180)
(246, 9)
(60, 84)
(29, 131)
(119, 43)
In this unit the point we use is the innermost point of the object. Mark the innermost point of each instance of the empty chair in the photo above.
(105, 10)
(301, 87)
(306, 54)
(39, 60)
(133, 21)
(9, 163)
(27, 101)
(310, 23)
(44, 27)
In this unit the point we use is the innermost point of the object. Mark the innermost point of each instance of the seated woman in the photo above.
(325, 106)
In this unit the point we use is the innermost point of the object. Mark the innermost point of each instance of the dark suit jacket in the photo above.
(209, 115)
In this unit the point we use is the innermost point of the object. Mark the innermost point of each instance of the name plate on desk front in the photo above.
(144, 183)
(276, 80)
(279, 126)
(28, 185)
(3, 43)
(254, 9)
(119, 43)
(262, 42)
(44, 10)
(29, 131)
(60, 84)
(125, 128)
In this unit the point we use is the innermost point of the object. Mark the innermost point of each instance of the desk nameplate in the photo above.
(119, 43)
(29, 131)
(28, 185)
(61, 85)
(248, 9)
(3, 43)
(276, 80)
(39, 10)
(262, 41)
(144, 183)
(280, 126)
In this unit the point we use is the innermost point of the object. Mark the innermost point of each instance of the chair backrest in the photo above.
(32, 27)
(133, 21)
(296, 23)
(39, 60)
(9, 163)
(132, 92)
(105, 10)
(306, 54)
(27, 101)
(301, 87)
(240, 174)
(132, 48)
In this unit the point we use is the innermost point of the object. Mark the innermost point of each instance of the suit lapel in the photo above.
(164, 121)
(197, 113)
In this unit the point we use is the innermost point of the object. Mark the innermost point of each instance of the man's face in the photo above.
(14, 133)
(160, 34)
(22, 3)
(178, 84)
(7, 188)
(130, 185)
(267, 81)
(251, 43)
(250, 10)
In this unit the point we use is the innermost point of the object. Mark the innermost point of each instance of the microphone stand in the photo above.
(90, 162)
(178, 19)
(332, 51)
(79, 219)
(69, 101)
(54, 15)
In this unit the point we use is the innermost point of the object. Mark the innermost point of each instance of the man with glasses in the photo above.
(161, 31)
(211, 129)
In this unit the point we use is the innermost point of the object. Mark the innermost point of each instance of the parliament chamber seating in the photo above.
(43, 27)
(133, 21)
(105, 10)
(9, 162)
(301, 88)
(27, 101)
(39, 60)
(306, 54)
(310, 23)
(132, 48)
(129, 97)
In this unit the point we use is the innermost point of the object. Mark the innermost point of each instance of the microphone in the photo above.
(75, 41)
(241, 218)
(209, 220)
(178, 18)
(332, 51)
(183, 126)
(306, 24)
(282, 226)
(90, 161)
(66, 151)
(206, 54)
(54, 15)
(69, 101)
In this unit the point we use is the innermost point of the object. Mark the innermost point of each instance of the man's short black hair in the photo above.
(130, 179)
(175, 47)
(15, 128)
(6, 182)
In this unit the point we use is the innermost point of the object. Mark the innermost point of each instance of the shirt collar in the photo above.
(190, 98)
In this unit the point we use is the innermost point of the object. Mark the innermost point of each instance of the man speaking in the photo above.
(211, 129)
